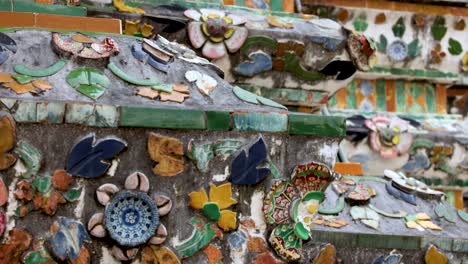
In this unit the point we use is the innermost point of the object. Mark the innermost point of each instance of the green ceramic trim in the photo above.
(89, 33)
(23, 79)
(400, 95)
(255, 99)
(260, 41)
(351, 101)
(31, 6)
(124, 76)
(335, 210)
(218, 120)
(381, 95)
(430, 98)
(413, 72)
(301, 231)
(273, 169)
(305, 124)
(267, 122)
(400, 214)
(314, 195)
(137, 116)
(51, 70)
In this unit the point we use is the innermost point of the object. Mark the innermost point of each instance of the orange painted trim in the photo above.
(358, 94)
(458, 195)
(348, 168)
(288, 6)
(341, 98)
(90, 24)
(441, 99)
(390, 96)
(421, 100)
(393, 6)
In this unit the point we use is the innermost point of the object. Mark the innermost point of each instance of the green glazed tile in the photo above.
(414, 48)
(455, 48)
(105, 116)
(8, 103)
(388, 241)
(26, 112)
(135, 116)
(268, 122)
(460, 245)
(338, 239)
(51, 112)
(201, 237)
(305, 124)
(430, 98)
(28, 6)
(381, 95)
(441, 242)
(201, 154)
(88, 81)
(78, 113)
(218, 120)
(92, 91)
(351, 101)
(400, 96)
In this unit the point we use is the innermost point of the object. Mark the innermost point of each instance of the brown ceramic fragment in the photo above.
(327, 255)
(83, 258)
(7, 140)
(181, 88)
(61, 180)
(20, 88)
(6, 78)
(434, 256)
(3, 193)
(19, 242)
(342, 15)
(460, 24)
(23, 190)
(380, 18)
(158, 255)
(257, 245)
(213, 254)
(173, 97)
(419, 20)
(266, 258)
(148, 93)
(167, 152)
(48, 205)
(42, 85)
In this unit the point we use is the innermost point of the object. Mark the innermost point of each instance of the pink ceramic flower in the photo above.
(389, 135)
(215, 31)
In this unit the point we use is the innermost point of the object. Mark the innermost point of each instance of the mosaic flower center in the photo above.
(217, 28)
(131, 218)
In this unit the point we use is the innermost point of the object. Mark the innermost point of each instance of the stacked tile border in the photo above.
(102, 115)
(383, 241)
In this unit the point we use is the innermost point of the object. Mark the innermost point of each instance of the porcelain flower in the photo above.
(389, 135)
(216, 32)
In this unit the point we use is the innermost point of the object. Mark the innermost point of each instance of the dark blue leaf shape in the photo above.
(68, 236)
(418, 162)
(88, 158)
(141, 55)
(393, 258)
(407, 197)
(7, 42)
(244, 169)
(3, 55)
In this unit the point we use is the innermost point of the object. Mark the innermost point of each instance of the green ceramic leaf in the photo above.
(255, 99)
(439, 29)
(30, 156)
(335, 210)
(51, 70)
(227, 147)
(399, 214)
(124, 76)
(201, 237)
(163, 87)
(274, 170)
(201, 154)
(360, 24)
(399, 28)
(42, 185)
(382, 45)
(293, 65)
(23, 79)
(455, 48)
(92, 91)
(72, 194)
(414, 48)
(421, 143)
(39, 255)
(211, 210)
(445, 211)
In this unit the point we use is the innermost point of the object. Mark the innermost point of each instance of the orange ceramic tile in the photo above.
(91, 24)
(288, 6)
(228, 2)
(390, 89)
(341, 98)
(14, 19)
(421, 100)
(49, 2)
(459, 199)
(441, 99)
(357, 92)
(348, 168)
(305, 109)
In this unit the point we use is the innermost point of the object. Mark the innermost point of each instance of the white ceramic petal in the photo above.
(137, 180)
(193, 14)
(214, 50)
(163, 202)
(95, 220)
(105, 192)
(235, 42)
(196, 36)
(192, 76)
(160, 236)
(237, 19)
(125, 254)
(208, 11)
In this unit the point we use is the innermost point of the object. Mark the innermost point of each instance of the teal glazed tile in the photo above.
(306, 124)
(267, 122)
(26, 112)
(388, 241)
(338, 239)
(105, 116)
(441, 242)
(135, 116)
(218, 120)
(51, 112)
(460, 245)
(78, 113)
(8, 103)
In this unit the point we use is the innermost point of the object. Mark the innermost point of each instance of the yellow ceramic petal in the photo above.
(131, 27)
(465, 61)
(216, 40)
(312, 208)
(147, 30)
(198, 199)
(228, 220)
(213, 16)
(222, 195)
(229, 32)
(228, 20)
(422, 216)
(396, 139)
(372, 61)
(121, 6)
(204, 28)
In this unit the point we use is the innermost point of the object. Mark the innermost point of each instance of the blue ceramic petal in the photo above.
(3, 55)
(259, 62)
(407, 197)
(7, 42)
(244, 169)
(88, 158)
(68, 236)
